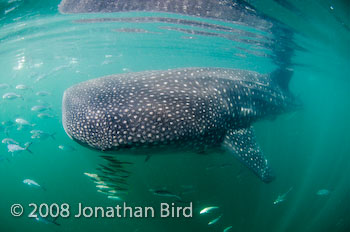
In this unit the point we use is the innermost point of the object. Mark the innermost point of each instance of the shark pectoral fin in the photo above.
(243, 145)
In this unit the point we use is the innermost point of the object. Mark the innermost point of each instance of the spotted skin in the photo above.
(242, 143)
(239, 11)
(190, 109)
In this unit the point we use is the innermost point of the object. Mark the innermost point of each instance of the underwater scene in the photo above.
(175, 115)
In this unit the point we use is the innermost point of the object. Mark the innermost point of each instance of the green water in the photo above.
(308, 149)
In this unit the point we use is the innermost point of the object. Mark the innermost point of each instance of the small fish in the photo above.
(215, 220)
(67, 148)
(9, 141)
(8, 123)
(11, 96)
(23, 123)
(22, 87)
(323, 192)
(281, 198)
(44, 115)
(46, 220)
(33, 183)
(17, 148)
(42, 93)
(40, 108)
(100, 182)
(208, 209)
(115, 198)
(91, 175)
(38, 134)
(4, 86)
(165, 193)
(103, 187)
(227, 228)
(103, 192)
(6, 126)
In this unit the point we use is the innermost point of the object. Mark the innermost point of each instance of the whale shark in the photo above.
(187, 109)
(196, 109)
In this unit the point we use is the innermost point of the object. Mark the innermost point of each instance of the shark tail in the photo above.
(282, 77)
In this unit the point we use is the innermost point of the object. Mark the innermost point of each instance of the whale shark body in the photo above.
(192, 109)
